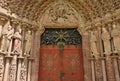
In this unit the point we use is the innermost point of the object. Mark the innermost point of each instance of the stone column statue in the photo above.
(106, 41)
(93, 41)
(28, 42)
(115, 33)
(7, 35)
(17, 41)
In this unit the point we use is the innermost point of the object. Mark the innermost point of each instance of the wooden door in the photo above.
(61, 62)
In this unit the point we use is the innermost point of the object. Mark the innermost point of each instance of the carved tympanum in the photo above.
(61, 14)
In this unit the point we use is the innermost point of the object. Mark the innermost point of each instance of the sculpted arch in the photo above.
(61, 14)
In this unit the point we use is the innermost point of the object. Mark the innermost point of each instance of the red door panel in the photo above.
(53, 67)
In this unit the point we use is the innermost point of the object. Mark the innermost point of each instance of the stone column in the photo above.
(23, 73)
(93, 70)
(110, 70)
(7, 63)
(7, 57)
(117, 74)
(86, 55)
(36, 54)
(1, 58)
(1, 66)
(30, 59)
(20, 59)
(13, 68)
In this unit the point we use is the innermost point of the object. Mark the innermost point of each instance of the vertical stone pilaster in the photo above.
(29, 69)
(13, 69)
(98, 70)
(93, 70)
(35, 54)
(119, 64)
(86, 55)
(23, 73)
(30, 60)
(7, 63)
(1, 67)
(116, 69)
(110, 69)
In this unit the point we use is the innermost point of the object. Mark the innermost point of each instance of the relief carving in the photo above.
(13, 69)
(23, 73)
(98, 70)
(61, 14)
(106, 41)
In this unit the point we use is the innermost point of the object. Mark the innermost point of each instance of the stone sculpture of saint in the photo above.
(106, 41)
(28, 38)
(93, 46)
(17, 41)
(7, 35)
(115, 33)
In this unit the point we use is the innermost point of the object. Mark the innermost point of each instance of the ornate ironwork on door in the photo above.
(68, 36)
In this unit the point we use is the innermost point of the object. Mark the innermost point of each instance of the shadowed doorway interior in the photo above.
(61, 55)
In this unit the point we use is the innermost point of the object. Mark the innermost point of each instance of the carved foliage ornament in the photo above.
(60, 14)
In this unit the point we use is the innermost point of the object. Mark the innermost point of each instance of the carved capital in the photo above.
(40, 30)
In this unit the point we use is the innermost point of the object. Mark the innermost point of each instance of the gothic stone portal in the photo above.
(61, 55)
